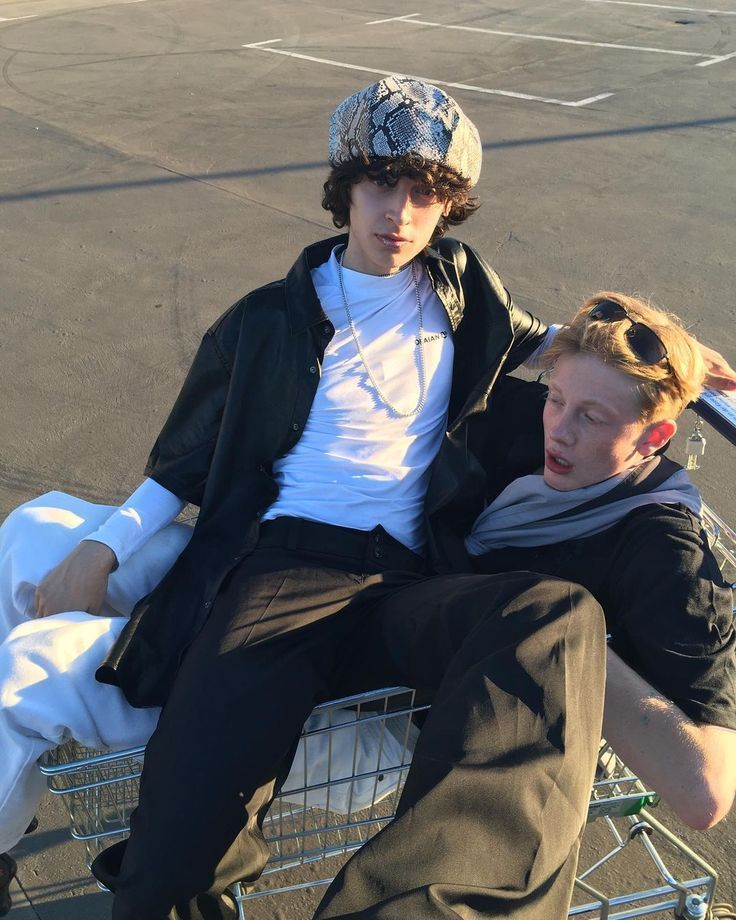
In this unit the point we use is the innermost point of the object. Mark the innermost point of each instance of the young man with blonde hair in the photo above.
(609, 514)
(626, 525)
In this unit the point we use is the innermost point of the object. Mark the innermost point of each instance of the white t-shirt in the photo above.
(359, 464)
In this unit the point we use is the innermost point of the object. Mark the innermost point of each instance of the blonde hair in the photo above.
(664, 388)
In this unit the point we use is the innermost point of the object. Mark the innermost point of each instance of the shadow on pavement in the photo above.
(175, 177)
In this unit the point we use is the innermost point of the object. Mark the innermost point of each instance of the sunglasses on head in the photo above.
(643, 341)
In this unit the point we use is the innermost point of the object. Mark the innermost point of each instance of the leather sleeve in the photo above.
(529, 331)
(474, 274)
(180, 458)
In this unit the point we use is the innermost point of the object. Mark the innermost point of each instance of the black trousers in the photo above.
(495, 801)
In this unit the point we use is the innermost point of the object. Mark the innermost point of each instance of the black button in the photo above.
(379, 553)
(377, 537)
(295, 426)
(237, 558)
(313, 369)
(327, 329)
(207, 604)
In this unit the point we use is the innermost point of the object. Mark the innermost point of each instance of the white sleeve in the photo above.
(150, 508)
(535, 358)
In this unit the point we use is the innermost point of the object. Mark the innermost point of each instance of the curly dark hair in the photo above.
(446, 184)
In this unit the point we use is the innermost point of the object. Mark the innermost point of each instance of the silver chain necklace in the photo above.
(420, 341)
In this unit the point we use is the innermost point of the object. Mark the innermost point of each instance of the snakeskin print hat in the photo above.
(400, 115)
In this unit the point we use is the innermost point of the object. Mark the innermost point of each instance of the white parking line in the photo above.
(260, 46)
(70, 10)
(662, 6)
(717, 60)
(376, 22)
(410, 20)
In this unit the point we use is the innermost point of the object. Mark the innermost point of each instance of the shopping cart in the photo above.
(351, 764)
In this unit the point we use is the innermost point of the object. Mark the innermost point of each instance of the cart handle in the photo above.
(719, 411)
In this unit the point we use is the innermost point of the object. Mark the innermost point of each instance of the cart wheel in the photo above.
(696, 908)
(641, 827)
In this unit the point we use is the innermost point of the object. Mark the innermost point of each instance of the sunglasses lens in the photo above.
(645, 343)
(608, 311)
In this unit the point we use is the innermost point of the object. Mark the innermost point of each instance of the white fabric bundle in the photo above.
(48, 692)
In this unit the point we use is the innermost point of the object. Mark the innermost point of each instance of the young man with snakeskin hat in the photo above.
(315, 414)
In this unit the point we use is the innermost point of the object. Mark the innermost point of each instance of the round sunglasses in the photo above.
(643, 341)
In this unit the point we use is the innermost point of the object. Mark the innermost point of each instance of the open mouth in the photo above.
(557, 464)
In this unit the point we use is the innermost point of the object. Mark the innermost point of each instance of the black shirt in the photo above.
(667, 606)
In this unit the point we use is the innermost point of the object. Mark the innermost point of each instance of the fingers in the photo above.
(79, 582)
(721, 381)
(56, 594)
(718, 372)
(41, 603)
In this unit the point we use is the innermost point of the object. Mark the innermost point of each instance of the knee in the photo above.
(544, 596)
(34, 690)
(579, 612)
(568, 599)
(52, 518)
(553, 611)
(24, 518)
(15, 524)
(585, 611)
(19, 673)
(46, 660)
(514, 604)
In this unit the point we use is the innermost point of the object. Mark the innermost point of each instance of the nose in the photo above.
(398, 210)
(560, 429)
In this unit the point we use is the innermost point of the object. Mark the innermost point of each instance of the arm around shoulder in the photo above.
(481, 282)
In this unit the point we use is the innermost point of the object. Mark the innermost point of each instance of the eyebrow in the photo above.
(597, 404)
(586, 403)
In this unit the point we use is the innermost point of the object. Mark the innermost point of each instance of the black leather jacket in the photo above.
(245, 402)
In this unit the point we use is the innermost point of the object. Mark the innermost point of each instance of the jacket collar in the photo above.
(304, 306)
(302, 302)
